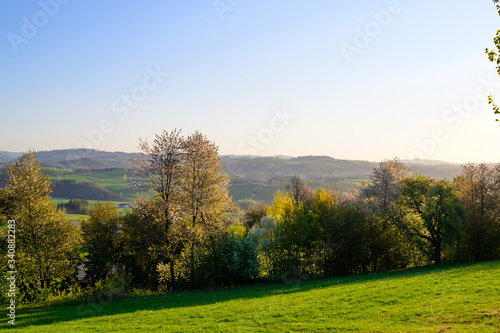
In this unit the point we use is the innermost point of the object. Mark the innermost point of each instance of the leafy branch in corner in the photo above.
(493, 57)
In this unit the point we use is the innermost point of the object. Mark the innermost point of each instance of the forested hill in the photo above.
(77, 158)
(323, 167)
(243, 168)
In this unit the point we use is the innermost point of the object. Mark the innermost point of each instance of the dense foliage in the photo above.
(75, 206)
(187, 234)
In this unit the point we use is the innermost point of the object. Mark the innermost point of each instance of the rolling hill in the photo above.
(252, 177)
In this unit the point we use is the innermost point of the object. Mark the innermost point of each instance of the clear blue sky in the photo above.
(349, 79)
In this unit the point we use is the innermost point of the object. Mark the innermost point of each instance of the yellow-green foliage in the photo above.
(45, 241)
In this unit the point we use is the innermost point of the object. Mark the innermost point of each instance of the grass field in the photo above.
(449, 298)
(110, 179)
(114, 181)
(259, 193)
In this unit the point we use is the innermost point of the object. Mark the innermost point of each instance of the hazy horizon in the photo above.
(416, 160)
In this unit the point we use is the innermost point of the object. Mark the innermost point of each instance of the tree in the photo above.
(100, 236)
(254, 214)
(46, 242)
(159, 166)
(479, 189)
(494, 57)
(324, 210)
(192, 189)
(142, 239)
(380, 197)
(299, 190)
(268, 237)
(384, 188)
(431, 210)
(298, 231)
(240, 263)
(352, 236)
(204, 192)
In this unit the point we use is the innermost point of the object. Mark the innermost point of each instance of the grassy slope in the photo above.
(447, 298)
(113, 181)
(109, 179)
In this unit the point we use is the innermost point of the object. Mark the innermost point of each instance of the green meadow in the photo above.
(115, 181)
(112, 180)
(447, 298)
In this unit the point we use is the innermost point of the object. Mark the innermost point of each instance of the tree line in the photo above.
(184, 232)
(75, 206)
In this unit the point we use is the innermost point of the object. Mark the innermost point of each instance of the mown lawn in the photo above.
(449, 298)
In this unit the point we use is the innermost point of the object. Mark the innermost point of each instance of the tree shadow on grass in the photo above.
(109, 306)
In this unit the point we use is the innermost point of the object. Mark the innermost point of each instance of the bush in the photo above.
(240, 257)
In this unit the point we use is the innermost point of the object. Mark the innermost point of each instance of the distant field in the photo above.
(255, 192)
(77, 217)
(119, 181)
(449, 298)
(112, 180)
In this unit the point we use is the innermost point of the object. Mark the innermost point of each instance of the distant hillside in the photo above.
(321, 167)
(6, 156)
(307, 167)
(72, 189)
(84, 158)
(248, 169)
(75, 158)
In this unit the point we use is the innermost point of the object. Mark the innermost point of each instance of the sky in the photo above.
(364, 80)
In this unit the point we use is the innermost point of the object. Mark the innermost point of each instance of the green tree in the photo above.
(432, 211)
(479, 189)
(324, 210)
(268, 237)
(240, 263)
(380, 197)
(46, 241)
(298, 233)
(100, 236)
(350, 240)
(352, 236)
(142, 239)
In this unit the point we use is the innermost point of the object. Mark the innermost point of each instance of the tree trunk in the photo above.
(192, 266)
(437, 252)
(172, 276)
